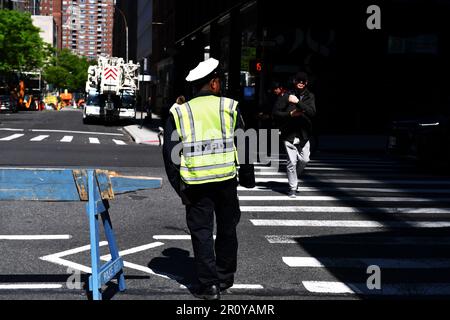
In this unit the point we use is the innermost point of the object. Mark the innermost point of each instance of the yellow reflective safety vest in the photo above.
(206, 127)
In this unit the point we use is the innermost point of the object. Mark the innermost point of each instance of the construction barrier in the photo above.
(96, 188)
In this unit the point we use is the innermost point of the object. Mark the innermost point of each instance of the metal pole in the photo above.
(126, 31)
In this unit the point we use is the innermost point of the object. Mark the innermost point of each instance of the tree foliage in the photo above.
(21, 46)
(67, 71)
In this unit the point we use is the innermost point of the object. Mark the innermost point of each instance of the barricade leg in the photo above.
(112, 245)
(94, 238)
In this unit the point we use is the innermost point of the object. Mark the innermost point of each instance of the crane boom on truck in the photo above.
(111, 87)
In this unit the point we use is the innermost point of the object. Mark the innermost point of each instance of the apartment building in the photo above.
(53, 8)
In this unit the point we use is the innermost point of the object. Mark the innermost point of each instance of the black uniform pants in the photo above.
(215, 262)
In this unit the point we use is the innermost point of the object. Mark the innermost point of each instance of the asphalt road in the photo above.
(353, 212)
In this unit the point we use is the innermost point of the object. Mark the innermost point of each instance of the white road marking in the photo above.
(314, 209)
(29, 286)
(358, 181)
(403, 289)
(422, 241)
(134, 250)
(240, 287)
(39, 138)
(80, 132)
(337, 189)
(13, 137)
(148, 270)
(13, 130)
(67, 139)
(350, 224)
(350, 169)
(309, 262)
(327, 287)
(94, 141)
(346, 199)
(35, 237)
(162, 237)
(174, 237)
(57, 259)
(119, 142)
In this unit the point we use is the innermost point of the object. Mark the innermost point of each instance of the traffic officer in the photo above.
(205, 177)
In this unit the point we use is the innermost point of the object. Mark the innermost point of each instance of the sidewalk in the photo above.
(148, 133)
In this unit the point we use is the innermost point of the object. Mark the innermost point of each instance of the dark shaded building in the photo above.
(125, 15)
(362, 78)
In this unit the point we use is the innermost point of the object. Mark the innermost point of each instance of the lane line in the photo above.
(13, 137)
(134, 250)
(346, 199)
(338, 189)
(350, 224)
(75, 250)
(422, 241)
(403, 289)
(174, 237)
(239, 287)
(357, 181)
(94, 141)
(39, 138)
(119, 142)
(67, 139)
(324, 262)
(35, 237)
(361, 210)
(29, 286)
(13, 130)
(79, 132)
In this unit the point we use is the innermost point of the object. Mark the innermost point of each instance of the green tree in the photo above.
(67, 71)
(21, 46)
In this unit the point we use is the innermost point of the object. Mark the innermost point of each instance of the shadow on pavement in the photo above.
(176, 264)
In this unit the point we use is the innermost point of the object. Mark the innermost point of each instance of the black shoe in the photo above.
(225, 286)
(208, 293)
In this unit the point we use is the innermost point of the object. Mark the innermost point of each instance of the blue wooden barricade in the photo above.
(96, 187)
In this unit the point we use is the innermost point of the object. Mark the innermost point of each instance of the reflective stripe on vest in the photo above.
(206, 126)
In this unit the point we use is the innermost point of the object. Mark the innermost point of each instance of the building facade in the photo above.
(48, 28)
(54, 8)
(362, 77)
(83, 26)
(31, 6)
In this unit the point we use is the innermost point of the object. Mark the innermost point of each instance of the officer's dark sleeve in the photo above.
(172, 170)
(280, 112)
(246, 170)
(308, 106)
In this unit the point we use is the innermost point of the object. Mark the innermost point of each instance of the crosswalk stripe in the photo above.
(119, 142)
(12, 137)
(350, 224)
(39, 138)
(67, 139)
(323, 262)
(359, 169)
(357, 181)
(343, 189)
(316, 209)
(345, 198)
(94, 141)
(403, 289)
(366, 240)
